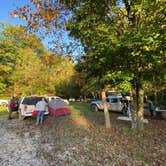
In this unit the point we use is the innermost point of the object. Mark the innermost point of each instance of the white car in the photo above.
(3, 102)
(72, 99)
(59, 98)
(28, 105)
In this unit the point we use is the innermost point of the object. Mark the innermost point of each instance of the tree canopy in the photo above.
(123, 40)
(26, 67)
(123, 43)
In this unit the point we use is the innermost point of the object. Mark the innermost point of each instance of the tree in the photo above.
(28, 74)
(14, 40)
(120, 38)
(47, 19)
(58, 73)
(26, 67)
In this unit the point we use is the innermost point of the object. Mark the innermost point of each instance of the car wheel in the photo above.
(94, 108)
(21, 117)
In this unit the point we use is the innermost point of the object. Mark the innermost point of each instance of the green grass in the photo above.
(3, 112)
(80, 108)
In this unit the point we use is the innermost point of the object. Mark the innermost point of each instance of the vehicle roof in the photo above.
(114, 96)
(32, 100)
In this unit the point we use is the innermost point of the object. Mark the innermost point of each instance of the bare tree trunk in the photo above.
(137, 111)
(106, 112)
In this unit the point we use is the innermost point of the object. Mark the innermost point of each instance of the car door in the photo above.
(108, 100)
(115, 104)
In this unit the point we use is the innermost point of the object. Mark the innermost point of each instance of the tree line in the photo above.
(28, 68)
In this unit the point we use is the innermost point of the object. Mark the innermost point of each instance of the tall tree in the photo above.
(58, 72)
(120, 37)
(14, 39)
(123, 39)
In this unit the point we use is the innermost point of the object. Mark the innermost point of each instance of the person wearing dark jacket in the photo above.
(12, 106)
(151, 107)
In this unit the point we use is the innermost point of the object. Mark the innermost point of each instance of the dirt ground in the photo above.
(80, 140)
(22, 143)
(19, 144)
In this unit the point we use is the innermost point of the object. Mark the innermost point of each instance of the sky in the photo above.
(7, 6)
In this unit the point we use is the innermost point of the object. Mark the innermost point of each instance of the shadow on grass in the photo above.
(96, 118)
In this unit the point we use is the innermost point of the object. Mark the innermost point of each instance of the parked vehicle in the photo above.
(72, 99)
(58, 98)
(27, 105)
(3, 102)
(114, 102)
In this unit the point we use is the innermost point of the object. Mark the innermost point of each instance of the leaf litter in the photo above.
(81, 140)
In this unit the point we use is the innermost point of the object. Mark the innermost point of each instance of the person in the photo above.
(125, 108)
(12, 106)
(151, 107)
(41, 107)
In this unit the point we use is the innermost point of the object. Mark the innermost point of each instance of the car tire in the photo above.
(94, 108)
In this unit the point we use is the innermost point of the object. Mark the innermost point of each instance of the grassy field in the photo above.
(3, 112)
(83, 139)
(120, 145)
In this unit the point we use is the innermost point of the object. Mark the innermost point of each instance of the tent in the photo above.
(58, 107)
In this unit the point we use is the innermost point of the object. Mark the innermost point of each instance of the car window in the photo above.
(31, 100)
(114, 100)
(108, 99)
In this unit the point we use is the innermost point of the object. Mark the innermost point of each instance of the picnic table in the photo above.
(159, 112)
(129, 118)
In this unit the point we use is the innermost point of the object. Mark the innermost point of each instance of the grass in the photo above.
(3, 112)
(80, 109)
(120, 144)
(82, 139)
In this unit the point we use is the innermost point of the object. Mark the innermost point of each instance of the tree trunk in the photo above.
(106, 112)
(137, 110)
(155, 98)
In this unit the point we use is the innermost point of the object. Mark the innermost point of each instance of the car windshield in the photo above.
(114, 100)
(32, 100)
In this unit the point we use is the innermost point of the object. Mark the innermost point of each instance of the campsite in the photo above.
(105, 60)
(80, 139)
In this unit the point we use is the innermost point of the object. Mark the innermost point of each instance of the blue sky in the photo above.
(7, 6)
